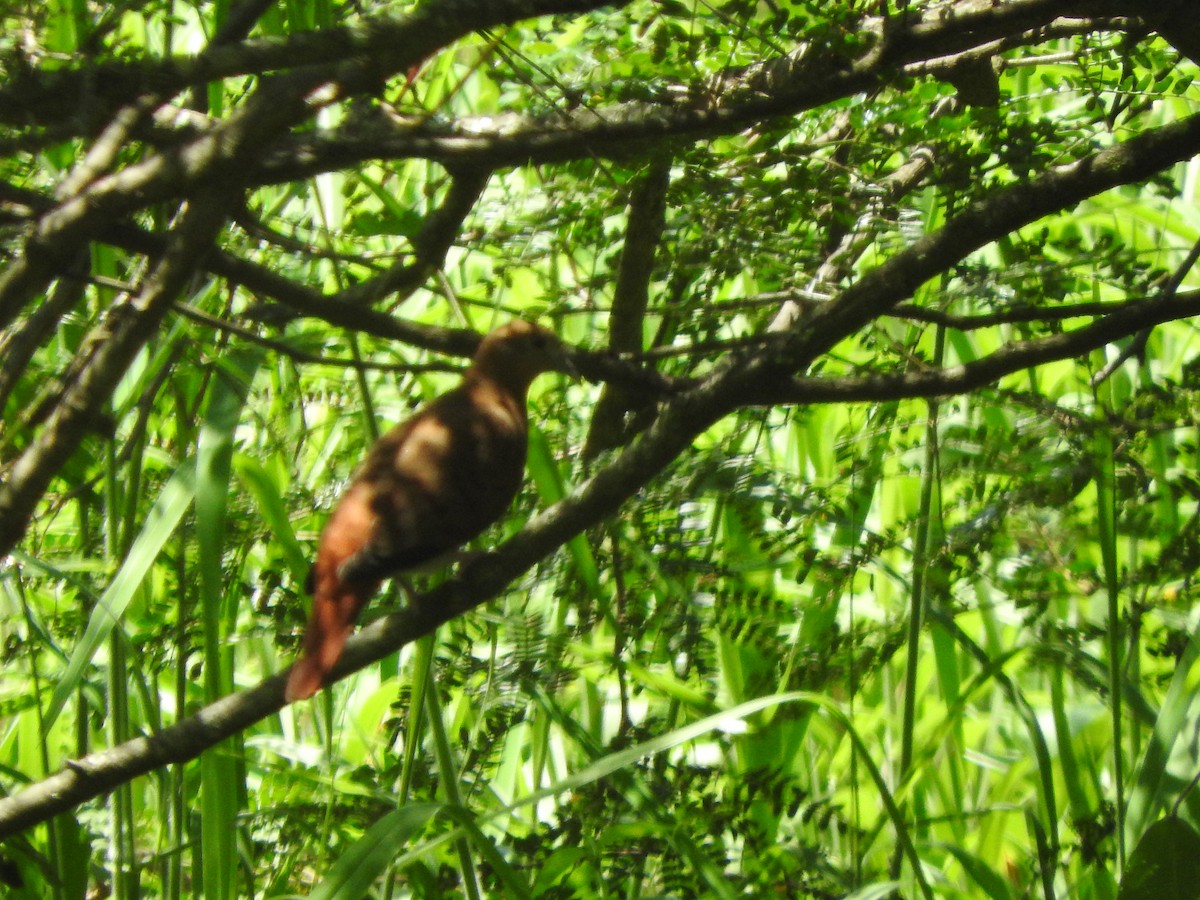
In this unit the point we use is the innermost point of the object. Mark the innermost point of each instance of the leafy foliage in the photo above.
(878, 582)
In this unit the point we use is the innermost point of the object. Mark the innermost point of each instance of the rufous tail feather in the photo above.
(335, 608)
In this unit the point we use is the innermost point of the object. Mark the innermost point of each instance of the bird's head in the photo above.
(516, 353)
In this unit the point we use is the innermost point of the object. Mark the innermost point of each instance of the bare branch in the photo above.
(1015, 357)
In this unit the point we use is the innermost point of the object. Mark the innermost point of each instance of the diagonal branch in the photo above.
(851, 245)
(115, 343)
(18, 345)
(430, 244)
(681, 421)
(984, 221)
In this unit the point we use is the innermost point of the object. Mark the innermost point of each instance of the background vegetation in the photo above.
(864, 557)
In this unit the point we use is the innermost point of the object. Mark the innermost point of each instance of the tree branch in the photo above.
(982, 222)
(113, 346)
(631, 295)
(802, 80)
(383, 44)
(680, 422)
(1128, 321)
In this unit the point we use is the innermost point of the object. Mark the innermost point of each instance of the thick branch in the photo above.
(802, 80)
(982, 222)
(647, 218)
(389, 43)
(681, 421)
(18, 345)
(1012, 315)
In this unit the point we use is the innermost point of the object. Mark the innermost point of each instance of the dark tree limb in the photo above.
(430, 245)
(108, 352)
(596, 500)
(18, 345)
(804, 79)
(984, 221)
(380, 45)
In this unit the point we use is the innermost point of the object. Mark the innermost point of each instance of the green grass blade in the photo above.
(351, 877)
(222, 786)
(1106, 522)
(1146, 789)
(173, 501)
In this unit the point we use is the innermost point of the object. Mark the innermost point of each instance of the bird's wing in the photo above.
(436, 482)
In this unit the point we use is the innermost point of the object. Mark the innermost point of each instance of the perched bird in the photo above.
(426, 488)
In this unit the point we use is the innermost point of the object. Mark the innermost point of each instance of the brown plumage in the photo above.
(426, 488)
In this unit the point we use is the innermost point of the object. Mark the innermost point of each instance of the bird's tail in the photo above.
(335, 607)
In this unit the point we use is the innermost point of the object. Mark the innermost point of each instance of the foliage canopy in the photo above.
(860, 561)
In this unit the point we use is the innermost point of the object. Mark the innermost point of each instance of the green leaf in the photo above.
(1164, 864)
(368, 857)
(176, 496)
(255, 478)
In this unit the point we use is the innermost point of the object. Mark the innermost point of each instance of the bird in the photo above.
(426, 487)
